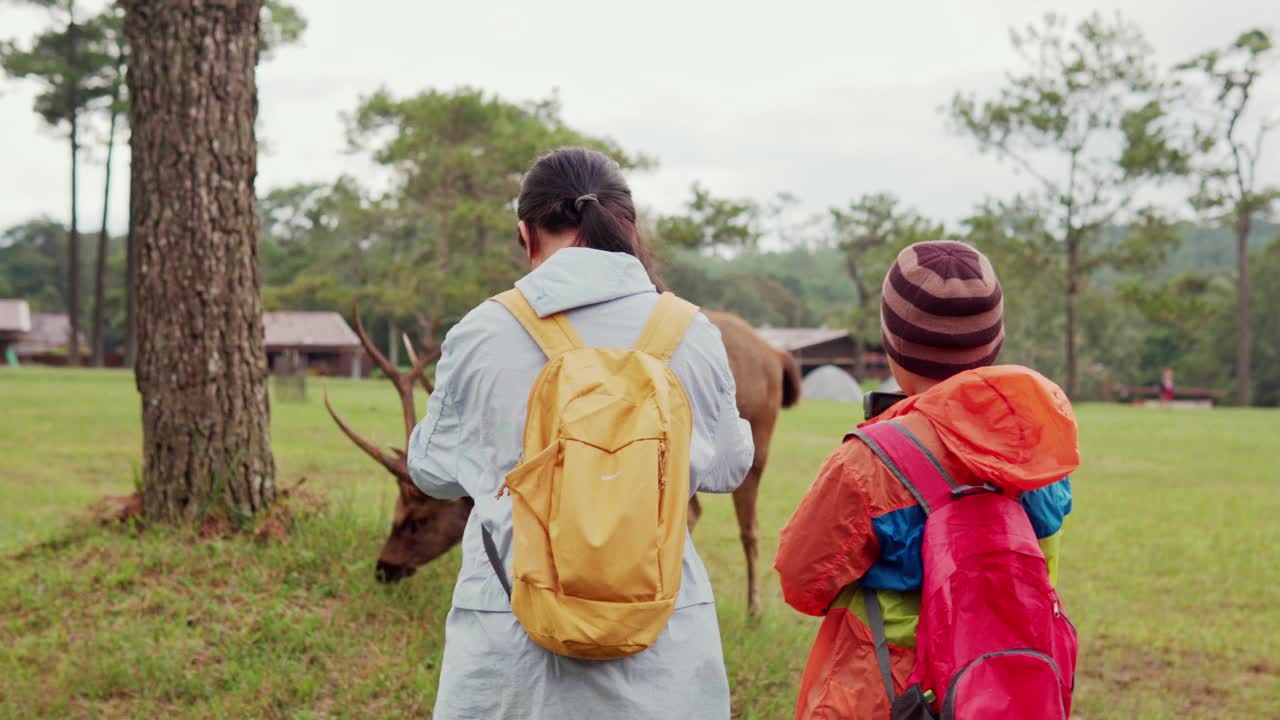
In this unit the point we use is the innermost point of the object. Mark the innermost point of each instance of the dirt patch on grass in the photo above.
(117, 509)
(1194, 683)
(293, 503)
(274, 524)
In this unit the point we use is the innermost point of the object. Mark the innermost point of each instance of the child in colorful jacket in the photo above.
(858, 527)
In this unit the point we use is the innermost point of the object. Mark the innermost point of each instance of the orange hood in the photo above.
(1008, 424)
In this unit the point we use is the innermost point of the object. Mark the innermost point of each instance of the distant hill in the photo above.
(818, 280)
(1208, 249)
(1204, 249)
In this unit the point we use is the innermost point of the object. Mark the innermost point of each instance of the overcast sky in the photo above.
(826, 100)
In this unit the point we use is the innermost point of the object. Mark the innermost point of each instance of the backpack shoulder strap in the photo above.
(911, 462)
(666, 327)
(554, 334)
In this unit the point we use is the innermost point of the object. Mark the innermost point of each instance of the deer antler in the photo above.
(402, 381)
(395, 462)
(427, 385)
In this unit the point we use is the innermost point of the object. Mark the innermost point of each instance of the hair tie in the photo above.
(583, 200)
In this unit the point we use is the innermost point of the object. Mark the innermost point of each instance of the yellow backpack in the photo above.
(601, 498)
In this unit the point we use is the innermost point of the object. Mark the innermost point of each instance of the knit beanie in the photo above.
(941, 310)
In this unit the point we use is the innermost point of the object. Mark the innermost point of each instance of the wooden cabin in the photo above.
(320, 343)
(815, 347)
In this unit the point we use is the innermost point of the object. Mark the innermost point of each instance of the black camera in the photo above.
(874, 403)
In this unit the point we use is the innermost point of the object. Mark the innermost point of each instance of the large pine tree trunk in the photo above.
(202, 370)
(1244, 380)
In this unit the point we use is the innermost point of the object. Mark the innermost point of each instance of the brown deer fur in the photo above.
(424, 528)
(768, 379)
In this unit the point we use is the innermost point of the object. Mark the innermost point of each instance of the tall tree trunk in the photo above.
(393, 343)
(864, 306)
(130, 288)
(1073, 290)
(202, 368)
(73, 233)
(100, 270)
(1244, 380)
(427, 327)
(860, 359)
(73, 255)
(1073, 271)
(442, 261)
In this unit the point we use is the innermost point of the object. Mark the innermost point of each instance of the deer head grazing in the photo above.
(423, 528)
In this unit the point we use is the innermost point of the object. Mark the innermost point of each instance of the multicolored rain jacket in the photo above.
(859, 527)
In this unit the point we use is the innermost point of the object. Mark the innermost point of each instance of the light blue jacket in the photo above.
(472, 435)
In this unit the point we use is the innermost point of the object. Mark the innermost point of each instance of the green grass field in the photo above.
(1171, 570)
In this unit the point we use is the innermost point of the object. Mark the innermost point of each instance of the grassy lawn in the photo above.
(1170, 569)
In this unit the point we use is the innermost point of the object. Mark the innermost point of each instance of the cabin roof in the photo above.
(302, 329)
(15, 316)
(792, 339)
(49, 332)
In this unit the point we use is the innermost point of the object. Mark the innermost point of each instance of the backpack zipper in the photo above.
(949, 706)
(662, 475)
(662, 465)
(1057, 612)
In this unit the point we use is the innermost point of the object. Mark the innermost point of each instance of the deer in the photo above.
(423, 528)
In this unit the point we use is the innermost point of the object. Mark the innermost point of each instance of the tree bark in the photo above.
(864, 304)
(73, 233)
(100, 270)
(1073, 271)
(130, 289)
(442, 259)
(202, 368)
(1073, 290)
(1244, 380)
(393, 344)
(860, 358)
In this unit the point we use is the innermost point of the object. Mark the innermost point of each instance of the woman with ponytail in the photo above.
(576, 223)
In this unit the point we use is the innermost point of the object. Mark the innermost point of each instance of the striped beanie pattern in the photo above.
(941, 310)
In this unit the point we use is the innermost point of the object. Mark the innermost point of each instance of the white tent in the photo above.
(831, 383)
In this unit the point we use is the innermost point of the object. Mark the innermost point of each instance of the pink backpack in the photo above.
(993, 641)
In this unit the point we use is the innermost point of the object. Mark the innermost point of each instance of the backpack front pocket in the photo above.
(531, 485)
(607, 547)
(1016, 684)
